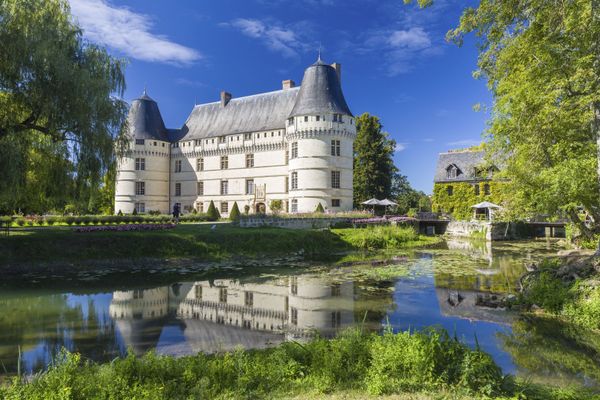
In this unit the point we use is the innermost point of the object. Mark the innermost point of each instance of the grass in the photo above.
(59, 245)
(403, 365)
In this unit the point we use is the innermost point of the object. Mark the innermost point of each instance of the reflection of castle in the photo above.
(471, 305)
(224, 314)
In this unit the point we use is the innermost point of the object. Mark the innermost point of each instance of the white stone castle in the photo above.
(293, 145)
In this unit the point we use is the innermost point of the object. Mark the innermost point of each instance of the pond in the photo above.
(454, 287)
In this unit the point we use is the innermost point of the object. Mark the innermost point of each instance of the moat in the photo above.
(454, 287)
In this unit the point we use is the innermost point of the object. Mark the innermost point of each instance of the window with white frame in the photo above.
(223, 295)
(224, 207)
(222, 139)
(249, 186)
(294, 181)
(294, 205)
(198, 290)
(177, 165)
(287, 157)
(200, 207)
(249, 299)
(200, 187)
(140, 164)
(335, 202)
(178, 189)
(224, 187)
(335, 179)
(247, 136)
(294, 150)
(249, 160)
(287, 184)
(200, 164)
(140, 188)
(290, 121)
(140, 207)
(139, 141)
(335, 147)
(224, 162)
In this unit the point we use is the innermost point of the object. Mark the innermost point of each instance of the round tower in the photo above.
(320, 132)
(142, 182)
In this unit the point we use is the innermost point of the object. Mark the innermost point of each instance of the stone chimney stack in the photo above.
(338, 70)
(225, 97)
(288, 84)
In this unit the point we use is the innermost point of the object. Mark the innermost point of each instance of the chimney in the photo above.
(225, 97)
(338, 70)
(288, 84)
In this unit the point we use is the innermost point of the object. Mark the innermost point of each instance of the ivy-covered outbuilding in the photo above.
(464, 178)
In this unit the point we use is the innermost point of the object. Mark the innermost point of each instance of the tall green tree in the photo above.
(373, 163)
(541, 60)
(59, 104)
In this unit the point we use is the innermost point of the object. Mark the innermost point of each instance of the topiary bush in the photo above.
(212, 212)
(319, 209)
(234, 215)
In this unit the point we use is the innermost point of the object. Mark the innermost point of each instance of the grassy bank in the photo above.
(196, 241)
(570, 291)
(356, 363)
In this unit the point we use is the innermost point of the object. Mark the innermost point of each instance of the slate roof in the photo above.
(466, 161)
(260, 112)
(145, 121)
(320, 92)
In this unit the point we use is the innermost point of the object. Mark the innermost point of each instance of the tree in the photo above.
(373, 163)
(319, 209)
(276, 206)
(234, 215)
(212, 213)
(59, 102)
(542, 64)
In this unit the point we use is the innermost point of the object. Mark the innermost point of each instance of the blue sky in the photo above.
(395, 61)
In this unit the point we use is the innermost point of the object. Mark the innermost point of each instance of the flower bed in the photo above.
(125, 228)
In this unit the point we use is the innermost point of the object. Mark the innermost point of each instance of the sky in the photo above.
(395, 61)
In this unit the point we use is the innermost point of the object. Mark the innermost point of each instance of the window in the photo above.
(337, 118)
(139, 141)
(294, 180)
(200, 206)
(294, 285)
(249, 299)
(224, 187)
(294, 315)
(287, 184)
(200, 187)
(247, 136)
(449, 190)
(336, 290)
(290, 121)
(140, 207)
(486, 189)
(198, 290)
(155, 144)
(223, 295)
(335, 147)
(222, 139)
(334, 117)
(476, 188)
(336, 319)
(138, 294)
(140, 188)
(452, 172)
(200, 164)
(140, 164)
(295, 205)
(224, 207)
(287, 157)
(224, 162)
(249, 186)
(178, 189)
(178, 166)
(335, 202)
(249, 160)
(318, 118)
(335, 179)
(306, 118)
(294, 149)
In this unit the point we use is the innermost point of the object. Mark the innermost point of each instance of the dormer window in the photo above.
(452, 172)
(291, 121)
(139, 141)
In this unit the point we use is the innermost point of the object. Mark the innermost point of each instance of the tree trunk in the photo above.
(583, 228)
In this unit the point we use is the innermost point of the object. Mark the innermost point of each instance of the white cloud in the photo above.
(414, 38)
(189, 82)
(128, 32)
(464, 142)
(401, 147)
(277, 38)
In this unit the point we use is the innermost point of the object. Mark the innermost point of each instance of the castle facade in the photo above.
(292, 147)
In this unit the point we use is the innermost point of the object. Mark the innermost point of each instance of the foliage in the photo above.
(540, 59)
(407, 197)
(392, 363)
(213, 213)
(373, 160)
(463, 197)
(59, 115)
(276, 206)
(319, 209)
(234, 215)
(380, 237)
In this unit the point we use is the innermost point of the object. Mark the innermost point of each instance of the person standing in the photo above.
(176, 212)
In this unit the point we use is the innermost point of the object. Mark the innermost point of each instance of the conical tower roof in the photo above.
(145, 121)
(320, 92)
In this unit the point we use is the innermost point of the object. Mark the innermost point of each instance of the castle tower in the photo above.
(142, 182)
(320, 132)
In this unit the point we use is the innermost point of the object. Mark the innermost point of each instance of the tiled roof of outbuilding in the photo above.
(466, 161)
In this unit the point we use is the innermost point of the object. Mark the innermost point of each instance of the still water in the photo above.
(454, 287)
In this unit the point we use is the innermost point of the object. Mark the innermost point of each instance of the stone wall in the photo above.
(290, 223)
(483, 229)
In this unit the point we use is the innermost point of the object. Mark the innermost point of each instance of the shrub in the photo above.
(319, 209)
(276, 206)
(20, 221)
(120, 213)
(39, 220)
(154, 212)
(212, 213)
(134, 212)
(234, 215)
(69, 220)
(51, 220)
